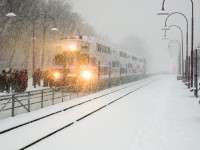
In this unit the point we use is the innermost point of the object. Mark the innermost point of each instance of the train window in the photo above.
(109, 50)
(85, 46)
(134, 70)
(70, 59)
(130, 66)
(104, 70)
(115, 64)
(122, 54)
(59, 59)
(107, 70)
(134, 58)
(93, 61)
(103, 49)
(122, 70)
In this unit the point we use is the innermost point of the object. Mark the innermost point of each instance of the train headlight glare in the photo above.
(86, 74)
(56, 75)
(72, 47)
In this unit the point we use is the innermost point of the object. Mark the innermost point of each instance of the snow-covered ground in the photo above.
(162, 115)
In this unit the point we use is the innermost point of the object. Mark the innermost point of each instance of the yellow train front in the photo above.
(73, 65)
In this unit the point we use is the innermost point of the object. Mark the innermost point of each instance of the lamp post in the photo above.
(177, 45)
(165, 35)
(33, 38)
(196, 72)
(174, 41)
(192, 37)
(10, 14)
(181, 44)
(187, 72)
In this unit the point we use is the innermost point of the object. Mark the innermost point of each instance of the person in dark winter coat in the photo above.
(23, 80)
(2, 81)
(47, 78)
(8, 80)
(37, 75)
(15, 81)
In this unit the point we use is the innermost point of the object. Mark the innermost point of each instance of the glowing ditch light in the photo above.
(72, 47)
(86, 74)
(56, 75)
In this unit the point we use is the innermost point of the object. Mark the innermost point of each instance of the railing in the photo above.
(16, 103)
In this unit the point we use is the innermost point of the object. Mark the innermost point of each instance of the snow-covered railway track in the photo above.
(108, 99)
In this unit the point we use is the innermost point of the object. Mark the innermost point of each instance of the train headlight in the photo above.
(72, 47)
(56, 75)
(86, 74)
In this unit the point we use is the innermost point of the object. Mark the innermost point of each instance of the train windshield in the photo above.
(83, 59)
(59, 59)
(70, 59)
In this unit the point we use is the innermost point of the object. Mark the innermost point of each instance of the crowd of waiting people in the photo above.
(39, 75)
(13, 80)
(16, 80)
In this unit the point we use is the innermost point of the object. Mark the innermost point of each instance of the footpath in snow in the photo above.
(163, 115)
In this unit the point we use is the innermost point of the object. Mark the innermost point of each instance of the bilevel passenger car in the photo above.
(88, 59)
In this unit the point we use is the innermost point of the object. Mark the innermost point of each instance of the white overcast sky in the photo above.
(117, 19)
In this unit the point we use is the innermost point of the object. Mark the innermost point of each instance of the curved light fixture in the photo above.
(54, 29)
(165, 38)
(162, 13)
(165, 28)
(11, 14)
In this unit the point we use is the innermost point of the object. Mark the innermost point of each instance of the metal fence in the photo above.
(17, 103)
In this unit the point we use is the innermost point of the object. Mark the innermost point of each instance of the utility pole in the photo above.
(44, 38)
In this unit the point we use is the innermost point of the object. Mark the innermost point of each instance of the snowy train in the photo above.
(88, 59)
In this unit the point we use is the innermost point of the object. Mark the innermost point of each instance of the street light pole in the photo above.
(181, 44)
(187, 72)
(192, 37)
(43, 41)
(196, 72)
(33, 49)
(177, 45)
(174, 41)
(192, 43)
(33, 37)
(178, 57)
(10, 14)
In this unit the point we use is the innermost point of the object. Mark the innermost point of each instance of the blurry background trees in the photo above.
(16, 32)
(135, 44)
